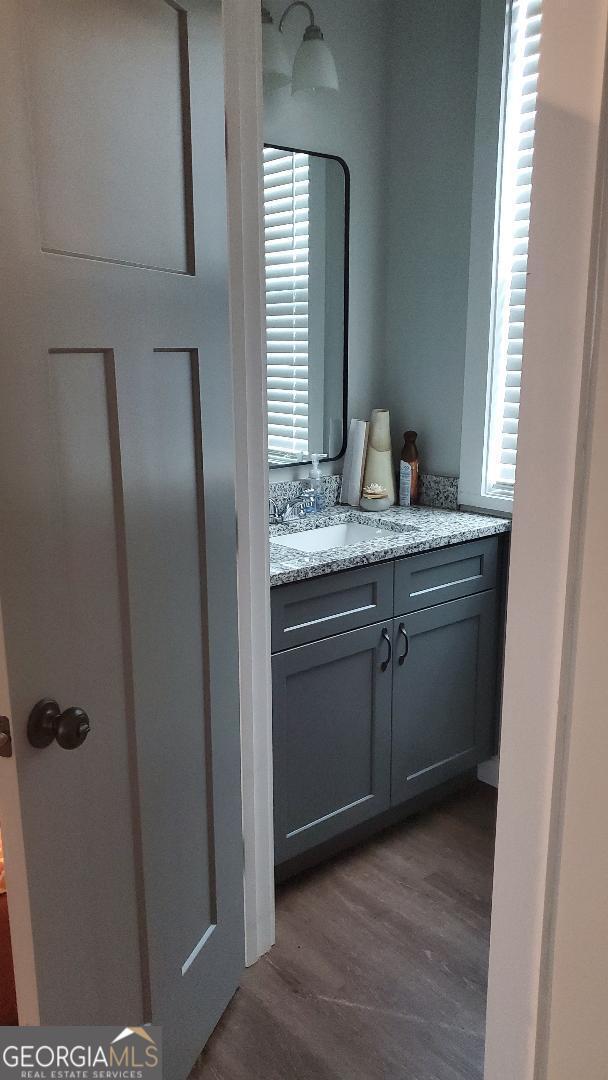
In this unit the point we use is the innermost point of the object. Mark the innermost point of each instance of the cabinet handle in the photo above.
(406, 643)
(386, 637)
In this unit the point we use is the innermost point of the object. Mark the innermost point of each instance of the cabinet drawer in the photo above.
(422, 581)
(311, 610)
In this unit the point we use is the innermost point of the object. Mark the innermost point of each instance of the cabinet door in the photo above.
(331, 733)
(444, 692)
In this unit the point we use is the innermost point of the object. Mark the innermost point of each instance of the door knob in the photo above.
(48, 723)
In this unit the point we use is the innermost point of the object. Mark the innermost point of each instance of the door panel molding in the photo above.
(108, 406)
(112, 184)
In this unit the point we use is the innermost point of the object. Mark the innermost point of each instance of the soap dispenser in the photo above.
(314, 485)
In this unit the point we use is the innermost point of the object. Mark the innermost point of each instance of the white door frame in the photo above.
(544, 527)
(244, 119)
(552, 436)
(573, 1033)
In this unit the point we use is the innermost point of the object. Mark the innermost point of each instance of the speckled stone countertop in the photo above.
(396, 532)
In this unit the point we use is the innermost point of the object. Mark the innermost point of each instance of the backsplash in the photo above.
(286, 490)
(440, 492)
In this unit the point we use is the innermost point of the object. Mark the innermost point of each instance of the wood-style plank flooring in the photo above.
(380, 967)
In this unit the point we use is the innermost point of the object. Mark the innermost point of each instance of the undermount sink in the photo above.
(331, 536)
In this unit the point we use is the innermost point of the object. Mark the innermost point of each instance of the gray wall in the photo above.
(351, 124)
(432, 100)
(404, 121)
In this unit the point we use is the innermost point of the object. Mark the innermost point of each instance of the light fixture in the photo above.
(276, 69)
(314, 67)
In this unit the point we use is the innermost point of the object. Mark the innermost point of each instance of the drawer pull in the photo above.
(386, 637)
(406, 643)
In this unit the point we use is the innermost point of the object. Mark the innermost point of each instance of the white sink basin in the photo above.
(331, 536)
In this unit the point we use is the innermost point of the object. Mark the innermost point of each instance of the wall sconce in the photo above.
(314, 67)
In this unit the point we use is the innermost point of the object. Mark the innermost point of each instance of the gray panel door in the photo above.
(444, 693)
(117, 545)
(331, 733)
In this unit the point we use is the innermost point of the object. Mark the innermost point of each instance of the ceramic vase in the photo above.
(379, 462)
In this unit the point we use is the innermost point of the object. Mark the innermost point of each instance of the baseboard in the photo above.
(365, 831)
(487, 772)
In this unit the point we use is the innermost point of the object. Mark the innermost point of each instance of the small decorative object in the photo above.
(409, 470)
(354, 463)
(375, 498)
(405, 483)
(379, 461)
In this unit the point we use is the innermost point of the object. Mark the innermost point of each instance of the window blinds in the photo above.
(513, 219)
(286, 252)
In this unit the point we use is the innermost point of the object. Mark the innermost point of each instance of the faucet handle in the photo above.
(273, 513)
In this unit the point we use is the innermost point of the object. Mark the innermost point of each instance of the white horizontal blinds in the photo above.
(515, 187)
(286, 251)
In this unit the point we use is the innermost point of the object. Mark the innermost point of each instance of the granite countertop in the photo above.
(396, 532)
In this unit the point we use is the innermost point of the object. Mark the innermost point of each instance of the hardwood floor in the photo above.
(380, 966)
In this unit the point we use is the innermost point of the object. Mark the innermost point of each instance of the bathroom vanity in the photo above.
(386, 660)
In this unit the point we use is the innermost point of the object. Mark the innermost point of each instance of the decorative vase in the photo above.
(374, 506)
(379, 461)
(374, 498)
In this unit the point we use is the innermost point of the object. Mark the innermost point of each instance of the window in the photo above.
(512, 246)
(286, 223)
(489, 453)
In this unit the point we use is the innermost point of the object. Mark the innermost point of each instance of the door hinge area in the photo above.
(6, 742)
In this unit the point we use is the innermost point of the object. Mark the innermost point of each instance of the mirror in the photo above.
(306, 222)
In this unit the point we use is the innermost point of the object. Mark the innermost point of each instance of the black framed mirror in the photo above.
(306, 232)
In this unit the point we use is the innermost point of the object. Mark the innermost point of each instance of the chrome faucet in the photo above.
(295, 508)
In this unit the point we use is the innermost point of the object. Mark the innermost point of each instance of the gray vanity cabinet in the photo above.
(332, 736)
(384, 687)
(444, 693)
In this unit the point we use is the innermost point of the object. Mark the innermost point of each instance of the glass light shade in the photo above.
(314, 67)
(276, 69)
